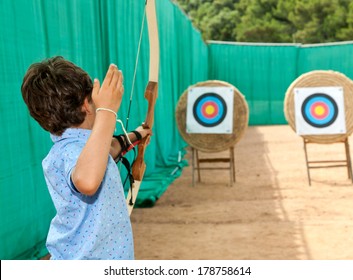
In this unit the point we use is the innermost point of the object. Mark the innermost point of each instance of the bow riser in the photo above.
(151, 94)
(139, 166)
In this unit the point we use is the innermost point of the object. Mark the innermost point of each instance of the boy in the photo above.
(92, 220)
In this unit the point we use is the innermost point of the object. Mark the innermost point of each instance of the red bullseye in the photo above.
(209, 109)
(319, 110)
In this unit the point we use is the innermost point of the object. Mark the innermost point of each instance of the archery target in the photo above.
(319, 110)
(210, 110)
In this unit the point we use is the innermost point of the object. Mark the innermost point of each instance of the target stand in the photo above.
(328, 163)
(212, 116)
(318, 107)
(197, 161)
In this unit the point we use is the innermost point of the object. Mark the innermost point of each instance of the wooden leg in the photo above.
(230, 171)
(193, 166)
(231, 166)
(198, 166)
(233, 159)
(349, 162)
(307, 164)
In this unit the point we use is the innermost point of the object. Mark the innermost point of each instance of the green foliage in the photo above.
(264, 21)
(299, 21)
(214, 18)
(319, 20)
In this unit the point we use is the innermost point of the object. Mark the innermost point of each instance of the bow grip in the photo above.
(139, 166)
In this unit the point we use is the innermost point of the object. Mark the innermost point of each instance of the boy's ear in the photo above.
(87, 107)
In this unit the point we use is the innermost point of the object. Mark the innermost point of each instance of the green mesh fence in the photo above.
(92, 34)
(263, 72)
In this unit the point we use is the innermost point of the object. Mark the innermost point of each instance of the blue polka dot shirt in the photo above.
(85, 227)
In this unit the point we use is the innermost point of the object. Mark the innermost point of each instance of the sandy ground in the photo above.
(270, 213)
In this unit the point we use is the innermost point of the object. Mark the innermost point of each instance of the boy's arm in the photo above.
(115, 148)
(91, 165)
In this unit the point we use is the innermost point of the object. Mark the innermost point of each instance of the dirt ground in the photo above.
(271, 212)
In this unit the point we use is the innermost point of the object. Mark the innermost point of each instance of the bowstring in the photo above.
(135, 68)
(133, 86)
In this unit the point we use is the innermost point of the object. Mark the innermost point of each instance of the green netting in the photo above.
(92, 34)
(263, 72)
(335, 56)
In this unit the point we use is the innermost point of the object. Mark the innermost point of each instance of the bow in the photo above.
(151, 93)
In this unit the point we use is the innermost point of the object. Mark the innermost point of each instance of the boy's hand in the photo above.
(144, 131)
(109, 96)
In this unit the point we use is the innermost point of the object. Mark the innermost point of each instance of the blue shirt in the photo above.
(85, 227)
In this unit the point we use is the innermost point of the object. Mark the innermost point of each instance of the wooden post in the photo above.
(196, 160)
(329, 163)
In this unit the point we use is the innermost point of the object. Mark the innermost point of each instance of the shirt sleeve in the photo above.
(72, 152)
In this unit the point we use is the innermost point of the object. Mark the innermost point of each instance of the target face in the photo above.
(210, 110)
(319, 111)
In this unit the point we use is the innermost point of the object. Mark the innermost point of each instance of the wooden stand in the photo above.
(328, 163)
(198, 161)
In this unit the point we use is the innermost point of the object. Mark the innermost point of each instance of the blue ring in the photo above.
(312, 118)
(206, 119)
(197, 109)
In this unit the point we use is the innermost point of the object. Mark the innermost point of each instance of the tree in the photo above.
(301, 21)
(346, 33)
(264, 21)
(215, 19)
(319, 21)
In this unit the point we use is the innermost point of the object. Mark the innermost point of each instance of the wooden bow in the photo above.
(151, 93)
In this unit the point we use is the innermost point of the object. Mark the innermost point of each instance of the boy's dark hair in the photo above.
(54, 91)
